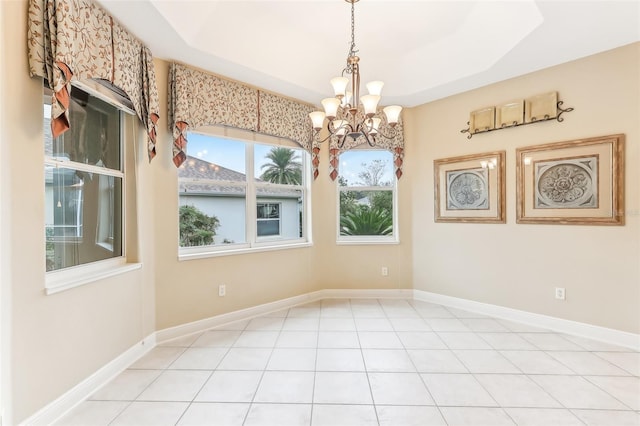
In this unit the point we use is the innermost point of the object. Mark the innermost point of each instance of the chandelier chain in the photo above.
(353, 30)
(352, 46)
(345, 118)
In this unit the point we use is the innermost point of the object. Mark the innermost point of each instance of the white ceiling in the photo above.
(422, 49)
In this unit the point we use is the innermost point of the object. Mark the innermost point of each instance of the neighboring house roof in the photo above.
(195, 168)
(196, 177)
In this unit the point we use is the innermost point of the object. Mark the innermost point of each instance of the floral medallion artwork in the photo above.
(567, 183)
(468, 189)
(576, 182)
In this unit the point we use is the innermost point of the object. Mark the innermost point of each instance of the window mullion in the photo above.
(81, 167)
(251, 201)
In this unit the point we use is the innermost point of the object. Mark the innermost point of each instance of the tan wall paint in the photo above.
(188, 290)
(518, 266)
(5, 259)
(59, 340)
(359, 266)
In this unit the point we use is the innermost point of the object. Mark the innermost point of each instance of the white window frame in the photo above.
(269, 219)
(394, 238)
(254, 243)
(67, 278)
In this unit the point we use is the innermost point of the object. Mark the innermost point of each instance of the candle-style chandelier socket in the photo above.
(351, 124)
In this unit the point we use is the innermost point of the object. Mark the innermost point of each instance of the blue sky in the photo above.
(230, 154)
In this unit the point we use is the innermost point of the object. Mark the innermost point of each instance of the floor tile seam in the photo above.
(364, 363)
(606, 391)
(540, 387)
(184, 412)
(588, 381)
(264, 370)
(315, 374)
(597, 354)
(420, 376)
(480, 384)
(577, 372)
(162, 371)
(604, 409)
(119, 413)
(498, 352)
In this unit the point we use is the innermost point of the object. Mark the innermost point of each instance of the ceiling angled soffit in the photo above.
(488, 33)
(422, 49)
(427, 43)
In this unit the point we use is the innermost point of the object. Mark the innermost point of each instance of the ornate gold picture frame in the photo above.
(470, 188)
(578, 182)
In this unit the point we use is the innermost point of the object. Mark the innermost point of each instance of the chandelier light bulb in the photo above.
(370, 104)
(375, 87)
(393, 114)
(331, 107)
(355, 121)
(339, 86)
(375, 125)
(340, 126)
(347, 99)
(317, 118)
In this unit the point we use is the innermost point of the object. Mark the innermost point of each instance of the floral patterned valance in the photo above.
(395, 144)
(77, 39)
(197, 98)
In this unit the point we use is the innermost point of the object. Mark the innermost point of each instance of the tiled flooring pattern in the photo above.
(373, 362)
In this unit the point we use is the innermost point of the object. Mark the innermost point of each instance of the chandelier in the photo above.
(344, 118)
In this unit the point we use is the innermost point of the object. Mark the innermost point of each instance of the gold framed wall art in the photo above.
(470, 188)
(578, 182)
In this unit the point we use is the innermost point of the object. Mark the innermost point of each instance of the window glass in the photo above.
(366, 187)
(268, 219)
(290, 210)
(83, 184)
(216, 209)
(94, 135)
(278, 164)
(213, 192)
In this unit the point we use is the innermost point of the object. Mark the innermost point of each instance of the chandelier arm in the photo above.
(388, 136)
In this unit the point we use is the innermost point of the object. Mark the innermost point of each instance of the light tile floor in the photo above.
(373, 362)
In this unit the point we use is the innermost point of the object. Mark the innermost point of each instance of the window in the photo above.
(222, 211)
(268, 219)
(367, 197)
(84, 180)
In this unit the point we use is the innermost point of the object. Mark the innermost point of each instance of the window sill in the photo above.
(206, 253)
(367, 241)
(60, 281)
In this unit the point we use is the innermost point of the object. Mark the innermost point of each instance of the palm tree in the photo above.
(284, 167)
(366, 221)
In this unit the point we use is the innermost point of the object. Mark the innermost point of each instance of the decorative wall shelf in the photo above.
(532, 110)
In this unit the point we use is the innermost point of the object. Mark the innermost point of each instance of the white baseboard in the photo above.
(339, 293)
(79, 393)
(603, 334)
(171, 333)
(167, 334)
(83, 390)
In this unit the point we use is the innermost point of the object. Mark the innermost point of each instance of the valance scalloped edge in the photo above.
(198, 98)
(77, 39)
(395, 145)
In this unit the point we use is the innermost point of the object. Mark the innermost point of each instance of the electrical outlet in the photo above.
(222, 290)
(385, 271)
(560, 294)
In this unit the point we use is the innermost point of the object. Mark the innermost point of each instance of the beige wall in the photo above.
(518, 266)
(57, 341)
(188, 291)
